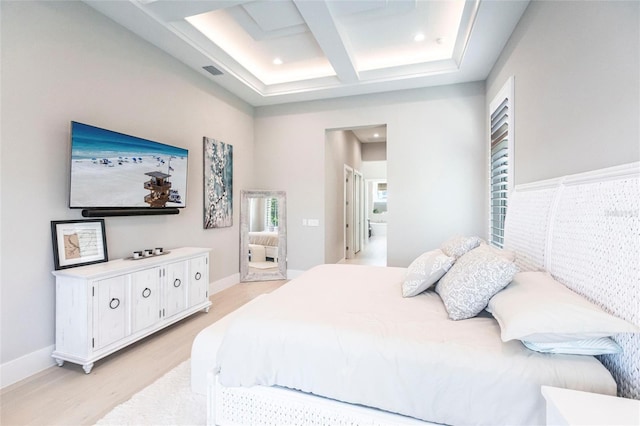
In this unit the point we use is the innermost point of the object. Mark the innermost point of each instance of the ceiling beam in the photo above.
(171, 10)
(332, 41)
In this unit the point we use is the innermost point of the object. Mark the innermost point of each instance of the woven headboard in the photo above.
(585, 230)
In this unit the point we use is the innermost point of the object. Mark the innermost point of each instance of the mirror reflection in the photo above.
(263, 236)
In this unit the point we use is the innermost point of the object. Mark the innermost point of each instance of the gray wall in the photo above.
(435, 165)
(62, 61)
(577, 86)
(341, 148)
(374, 151)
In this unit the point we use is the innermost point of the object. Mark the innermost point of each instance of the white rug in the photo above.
(167, 401)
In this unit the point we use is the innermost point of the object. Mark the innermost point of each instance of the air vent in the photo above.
(212, 70)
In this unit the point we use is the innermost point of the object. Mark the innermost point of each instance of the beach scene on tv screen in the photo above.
(110, 169)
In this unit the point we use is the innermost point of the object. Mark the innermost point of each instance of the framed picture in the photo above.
(218, 184)
(78, 242)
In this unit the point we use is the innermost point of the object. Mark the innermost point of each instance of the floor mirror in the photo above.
(263, 236)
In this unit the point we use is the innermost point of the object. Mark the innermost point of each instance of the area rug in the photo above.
(167, 401)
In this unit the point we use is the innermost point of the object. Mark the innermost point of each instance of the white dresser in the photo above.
(104, 307)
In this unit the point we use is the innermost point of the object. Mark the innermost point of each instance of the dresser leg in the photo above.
(59, 361)
(87, 368)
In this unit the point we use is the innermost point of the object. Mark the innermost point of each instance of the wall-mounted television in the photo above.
(111, 170)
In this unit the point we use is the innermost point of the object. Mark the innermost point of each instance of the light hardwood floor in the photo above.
(374, 252)
(66, 396)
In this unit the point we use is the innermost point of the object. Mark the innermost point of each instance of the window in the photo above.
(500, 161)
(271, 214)
(380, 197)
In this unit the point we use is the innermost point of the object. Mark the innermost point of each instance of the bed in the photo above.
(340, 345)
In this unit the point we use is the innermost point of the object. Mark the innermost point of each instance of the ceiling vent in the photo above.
(212, 70)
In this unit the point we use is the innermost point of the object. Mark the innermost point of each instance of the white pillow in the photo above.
(472, 280)
(457, 246)
(424, 271)
(597, 346)
(537, 308)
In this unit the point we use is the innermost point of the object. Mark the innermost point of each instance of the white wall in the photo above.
(577, 87)
(435, 158)
(62, 61)
(374, 170)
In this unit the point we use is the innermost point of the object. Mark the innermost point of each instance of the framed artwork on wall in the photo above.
(218, 184)
(78, 242)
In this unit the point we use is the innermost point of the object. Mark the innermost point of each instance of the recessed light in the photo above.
(375, 135)
(277, 61)
(418, 37)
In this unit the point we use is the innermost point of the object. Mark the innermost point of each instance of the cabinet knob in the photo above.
(114, 303)
(177, 282)
(198, 275)
(146, 292)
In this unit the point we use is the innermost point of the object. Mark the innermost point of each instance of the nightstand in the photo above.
(571, 407)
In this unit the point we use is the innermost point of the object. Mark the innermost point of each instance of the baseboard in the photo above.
(27, 365)
(223, 284)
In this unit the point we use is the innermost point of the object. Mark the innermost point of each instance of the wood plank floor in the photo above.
(66, 396)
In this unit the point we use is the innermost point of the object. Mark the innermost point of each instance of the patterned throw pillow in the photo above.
(507, 254)
(457, 246)
(424, 271)
(472, 281)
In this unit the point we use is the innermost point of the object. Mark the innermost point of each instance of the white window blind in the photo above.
(271, 213)
(501, 161)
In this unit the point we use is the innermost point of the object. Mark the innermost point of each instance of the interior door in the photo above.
(358, 212)
(348, 212)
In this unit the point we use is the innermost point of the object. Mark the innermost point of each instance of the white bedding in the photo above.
(346, 332)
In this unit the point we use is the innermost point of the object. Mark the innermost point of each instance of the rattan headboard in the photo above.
(585, 230)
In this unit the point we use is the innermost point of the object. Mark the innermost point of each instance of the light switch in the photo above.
(313, 222)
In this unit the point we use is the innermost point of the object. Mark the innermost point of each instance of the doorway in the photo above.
(353, 156)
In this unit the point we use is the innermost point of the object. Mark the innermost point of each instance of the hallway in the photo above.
(373, 253)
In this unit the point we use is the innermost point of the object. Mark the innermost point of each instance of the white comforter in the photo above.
(346, 332)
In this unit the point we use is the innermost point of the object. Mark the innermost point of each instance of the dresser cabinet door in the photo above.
(145, 292)
(109, 311)
(175, 288)
(198, 280)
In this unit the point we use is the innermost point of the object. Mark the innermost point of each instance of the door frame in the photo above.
(348, 212)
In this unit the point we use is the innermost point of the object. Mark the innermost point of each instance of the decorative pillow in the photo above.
(598, 346)
(457, 246)
(507, 254)
(537, 308)
(472, 280)
(424, 271)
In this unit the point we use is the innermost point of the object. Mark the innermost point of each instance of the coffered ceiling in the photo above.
(277, 51)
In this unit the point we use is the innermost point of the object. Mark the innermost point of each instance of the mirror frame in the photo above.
(246, 274)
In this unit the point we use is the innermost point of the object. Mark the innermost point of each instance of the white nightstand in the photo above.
(570, 407)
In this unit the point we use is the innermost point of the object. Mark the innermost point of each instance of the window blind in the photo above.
(500, 163)
(271, 213)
